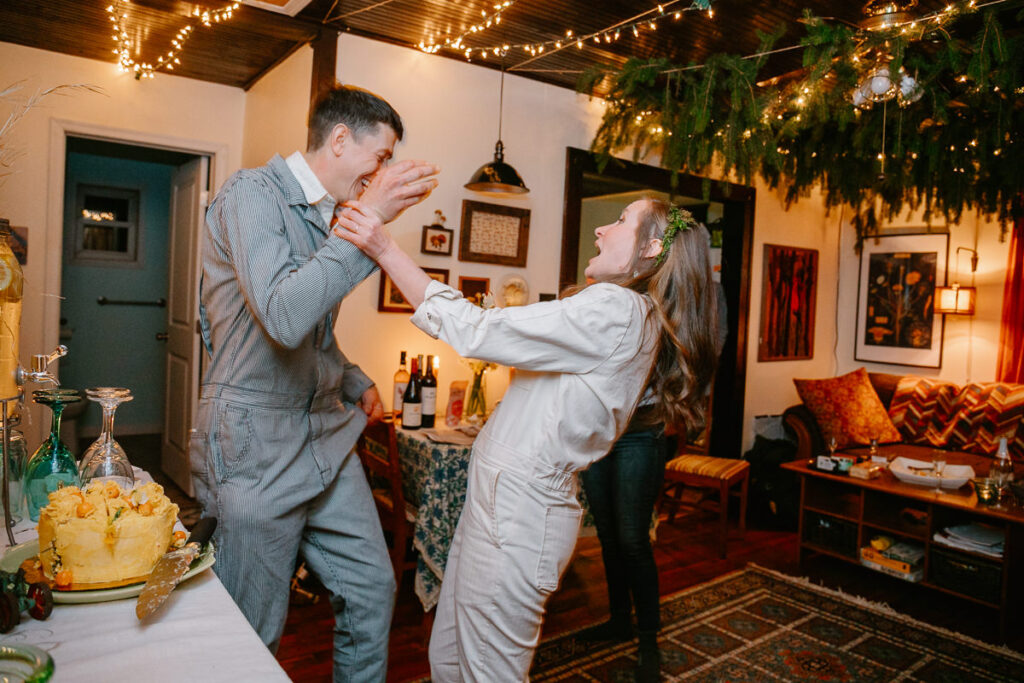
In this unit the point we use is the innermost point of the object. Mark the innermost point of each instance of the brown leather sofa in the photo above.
(803, 428)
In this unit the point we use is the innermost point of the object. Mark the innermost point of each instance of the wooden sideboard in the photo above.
(840, 514)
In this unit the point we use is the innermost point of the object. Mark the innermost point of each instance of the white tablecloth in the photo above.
(199, 635)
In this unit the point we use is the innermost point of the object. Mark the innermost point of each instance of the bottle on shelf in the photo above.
(412, 400)
(1001, 470)
(401, 381)
(429, 390)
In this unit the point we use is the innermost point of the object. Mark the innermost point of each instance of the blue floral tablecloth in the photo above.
(434, 479)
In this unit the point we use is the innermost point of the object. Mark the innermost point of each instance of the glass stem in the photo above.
(57, 409)
(108, 423)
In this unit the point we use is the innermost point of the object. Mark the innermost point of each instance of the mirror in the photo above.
(594, 198)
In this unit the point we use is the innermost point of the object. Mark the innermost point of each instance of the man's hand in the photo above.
(371, 405)
(397, 187)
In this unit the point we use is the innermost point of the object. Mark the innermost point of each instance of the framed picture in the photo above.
(896, 319)
(437, 239)
(474, 288)
(492, 233)
(788, 301)
(390, 299)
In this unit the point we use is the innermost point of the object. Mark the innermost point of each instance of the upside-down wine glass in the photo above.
(105, 460)
(52, 465)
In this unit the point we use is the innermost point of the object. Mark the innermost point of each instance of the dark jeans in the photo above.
(622, 489)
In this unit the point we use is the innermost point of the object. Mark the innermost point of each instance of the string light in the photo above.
(125, 46)
(608, 34)
(492, 19)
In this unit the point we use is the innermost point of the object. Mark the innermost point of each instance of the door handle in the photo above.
(161, 336)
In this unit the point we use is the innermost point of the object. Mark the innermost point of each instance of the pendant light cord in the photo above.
(501, 95)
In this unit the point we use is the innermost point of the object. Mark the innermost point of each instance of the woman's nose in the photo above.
(599, 230)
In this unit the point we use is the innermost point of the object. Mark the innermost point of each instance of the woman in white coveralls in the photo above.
(647, 319)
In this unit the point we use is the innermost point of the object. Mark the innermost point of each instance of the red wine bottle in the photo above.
(429, 390)
(412, 400)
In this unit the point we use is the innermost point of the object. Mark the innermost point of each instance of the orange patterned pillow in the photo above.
(847, 408)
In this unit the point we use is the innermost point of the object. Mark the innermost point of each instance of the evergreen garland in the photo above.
(959, 147)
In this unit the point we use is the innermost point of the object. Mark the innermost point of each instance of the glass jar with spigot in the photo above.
(11, 286)
(52, 465)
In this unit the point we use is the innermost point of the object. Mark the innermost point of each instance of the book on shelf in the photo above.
(880, 558)
(912, 576)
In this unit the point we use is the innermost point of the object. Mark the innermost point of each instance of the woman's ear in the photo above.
(653, 248)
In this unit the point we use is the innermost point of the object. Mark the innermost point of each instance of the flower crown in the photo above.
(679, 220)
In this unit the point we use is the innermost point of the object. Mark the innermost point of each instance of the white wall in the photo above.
(170, 107)
(276, 109)
(970, 346)
(450, 112)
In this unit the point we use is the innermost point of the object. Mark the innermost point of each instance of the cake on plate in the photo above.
(104, 534)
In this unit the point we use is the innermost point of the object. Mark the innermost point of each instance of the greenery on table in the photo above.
(958, 147)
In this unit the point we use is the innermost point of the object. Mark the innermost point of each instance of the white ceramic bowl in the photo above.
(922, 472)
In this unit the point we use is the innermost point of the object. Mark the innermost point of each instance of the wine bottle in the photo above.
(401, 381)
(429, 384)
(412, 400)
(1001, 469)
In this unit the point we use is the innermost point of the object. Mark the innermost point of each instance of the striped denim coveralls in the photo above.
(271, 448)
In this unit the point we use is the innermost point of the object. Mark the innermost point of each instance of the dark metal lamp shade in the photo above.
(497, 176)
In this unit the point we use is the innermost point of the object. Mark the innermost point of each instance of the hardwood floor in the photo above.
(686, 556)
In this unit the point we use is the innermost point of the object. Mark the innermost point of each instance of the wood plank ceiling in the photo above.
(238, 52)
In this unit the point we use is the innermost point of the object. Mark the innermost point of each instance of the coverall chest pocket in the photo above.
(561, 527)
(233, 443)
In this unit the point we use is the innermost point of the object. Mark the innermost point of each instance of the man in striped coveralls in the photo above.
(281, 407)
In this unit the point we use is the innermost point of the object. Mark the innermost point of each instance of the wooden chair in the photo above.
(703, 473)
(378, 450)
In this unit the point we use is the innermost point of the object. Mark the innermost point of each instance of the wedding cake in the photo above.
(104, 534)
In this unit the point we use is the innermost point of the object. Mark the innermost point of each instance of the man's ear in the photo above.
(653, 248)
(338, 138)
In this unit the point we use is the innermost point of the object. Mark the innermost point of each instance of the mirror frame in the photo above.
(727, 427)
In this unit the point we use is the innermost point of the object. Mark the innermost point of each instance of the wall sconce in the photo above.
(954, 299)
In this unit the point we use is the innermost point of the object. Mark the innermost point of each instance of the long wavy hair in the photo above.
(684, 302)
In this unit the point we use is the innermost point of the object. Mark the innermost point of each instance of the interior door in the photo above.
(188, 204)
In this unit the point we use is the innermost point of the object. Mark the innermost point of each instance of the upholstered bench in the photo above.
(707, 472)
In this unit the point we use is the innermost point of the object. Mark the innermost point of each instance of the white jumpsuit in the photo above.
(582, 363)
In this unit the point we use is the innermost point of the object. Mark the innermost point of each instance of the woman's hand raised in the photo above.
(362, 226)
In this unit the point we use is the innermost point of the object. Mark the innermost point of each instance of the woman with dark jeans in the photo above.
(622, 489)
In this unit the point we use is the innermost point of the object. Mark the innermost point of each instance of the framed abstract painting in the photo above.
(896, 318)
(788, 303)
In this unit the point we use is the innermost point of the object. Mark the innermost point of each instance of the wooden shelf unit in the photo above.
(840, 514)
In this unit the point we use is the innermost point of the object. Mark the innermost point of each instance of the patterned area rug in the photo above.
(759, 625)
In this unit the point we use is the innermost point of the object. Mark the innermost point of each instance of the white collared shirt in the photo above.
(314, 190)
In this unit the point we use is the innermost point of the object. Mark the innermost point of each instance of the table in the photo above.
(200, 635)
(839, 514)
(434, 477)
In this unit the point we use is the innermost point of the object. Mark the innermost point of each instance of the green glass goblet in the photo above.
(52, 465)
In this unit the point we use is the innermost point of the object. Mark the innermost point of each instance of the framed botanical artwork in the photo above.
(896, 318)
(437, 239)
(390, 299)
(474, 288)
(789, 295)
(492, 233)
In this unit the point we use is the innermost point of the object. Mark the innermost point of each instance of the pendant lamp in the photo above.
(496, 176)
